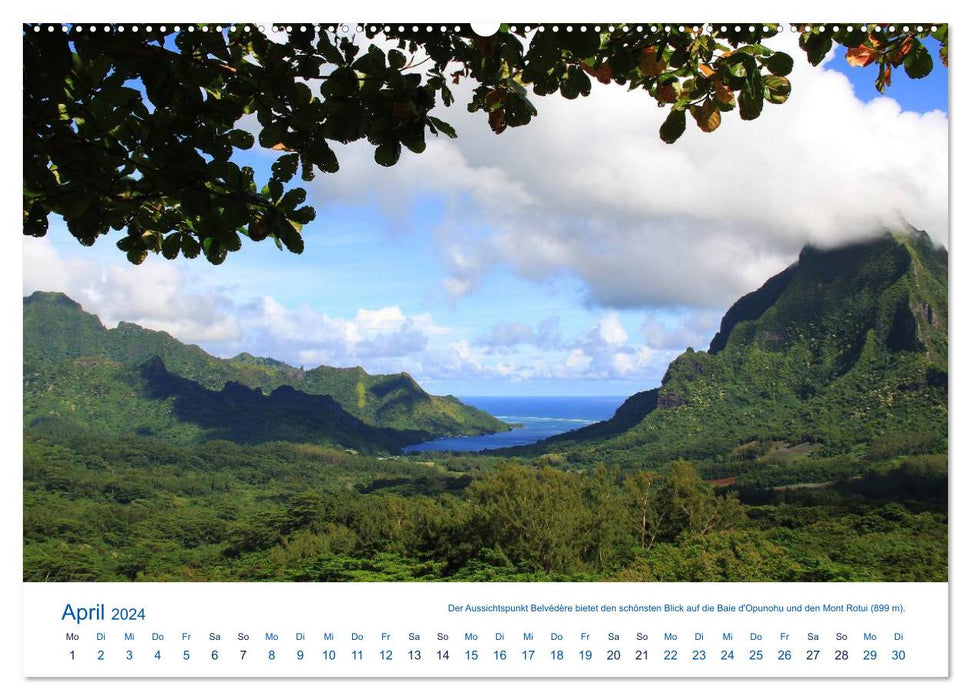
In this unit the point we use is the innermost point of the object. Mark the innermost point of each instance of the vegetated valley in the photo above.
(808, 443)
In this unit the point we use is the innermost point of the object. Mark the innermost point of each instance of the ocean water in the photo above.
(539, 416)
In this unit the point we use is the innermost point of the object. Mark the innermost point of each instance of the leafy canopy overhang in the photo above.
(136, 129)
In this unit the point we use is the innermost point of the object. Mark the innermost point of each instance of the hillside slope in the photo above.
(843, 350)
(57, 329)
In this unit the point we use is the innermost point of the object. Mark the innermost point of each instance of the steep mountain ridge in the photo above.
(65, 347)
(845, 347)
(115, 399)
(58, 331)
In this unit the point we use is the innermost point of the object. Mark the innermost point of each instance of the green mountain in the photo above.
(113, 399)
(76, 369)
(843, 352)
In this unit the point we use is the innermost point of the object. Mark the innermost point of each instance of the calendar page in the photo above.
(516, 350)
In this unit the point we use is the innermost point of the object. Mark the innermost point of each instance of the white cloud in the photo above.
(386, 339)
(578, 361)
(680, 329)
(442, 169)
(589, 189)
(508, 335)
(612, 330)
(318, 338)
(624, 362)
(602, 353)
(154, 294)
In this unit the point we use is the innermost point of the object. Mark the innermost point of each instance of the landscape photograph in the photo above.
(601, 302)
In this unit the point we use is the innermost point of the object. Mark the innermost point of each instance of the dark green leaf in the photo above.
(292, 199)
(441, 126)
(273, 134)
(777, 89)
(233, 242)
(737, 67)
(754, 82)
(303, 215)
(519, 110)
(285, 167)
(575, 83)
(341, 83)
(241, 139)
(755, 50)
(779, 63)
(137, 257)
(323, 157)
(190, 247)
(673, 126)
(816, 46)
(918, 63)
(257, 231)
(396, 59)
(413, 139)
(170, 246)
(371, 63)
(749, 104)
(387, 153)
(215, 252)
(274, 189)
(290, 237)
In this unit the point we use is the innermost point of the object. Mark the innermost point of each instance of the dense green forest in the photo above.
(809, 443)
(140, 509)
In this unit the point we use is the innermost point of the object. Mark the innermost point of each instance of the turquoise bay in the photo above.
(536, 418)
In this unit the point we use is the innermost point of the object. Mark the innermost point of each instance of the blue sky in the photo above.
(924, 95)
(576, 256)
